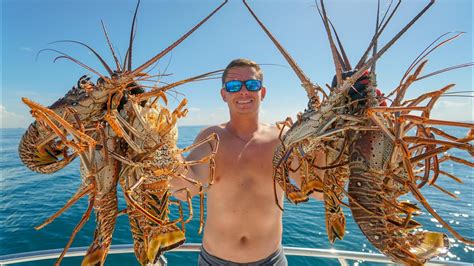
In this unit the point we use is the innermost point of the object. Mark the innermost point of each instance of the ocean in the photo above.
(28, 198)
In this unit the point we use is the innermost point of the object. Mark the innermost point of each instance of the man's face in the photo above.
(243, 101)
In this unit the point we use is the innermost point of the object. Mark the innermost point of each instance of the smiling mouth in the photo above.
(244, 101)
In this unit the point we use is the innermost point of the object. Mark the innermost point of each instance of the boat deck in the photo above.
(344, 257)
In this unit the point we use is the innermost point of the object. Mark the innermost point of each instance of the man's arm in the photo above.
(191, 171)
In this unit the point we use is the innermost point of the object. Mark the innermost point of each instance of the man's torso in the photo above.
(243, 222)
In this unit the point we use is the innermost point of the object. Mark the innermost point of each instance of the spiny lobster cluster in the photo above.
(122, 135)
(378, 152)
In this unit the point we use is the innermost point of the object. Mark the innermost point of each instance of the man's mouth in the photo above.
(244, 101)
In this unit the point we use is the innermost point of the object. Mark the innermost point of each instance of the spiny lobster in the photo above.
(101, 124)
(370, 147)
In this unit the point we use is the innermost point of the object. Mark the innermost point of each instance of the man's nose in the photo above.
(244, 90)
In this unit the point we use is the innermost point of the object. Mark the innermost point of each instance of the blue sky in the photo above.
(30, 25)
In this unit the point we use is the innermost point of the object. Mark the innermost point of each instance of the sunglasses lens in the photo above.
(233, 85)
(253, 84)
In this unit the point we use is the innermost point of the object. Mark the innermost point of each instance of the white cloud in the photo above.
(203, 117)
(454, 110)
(194, 109)
(12, 120)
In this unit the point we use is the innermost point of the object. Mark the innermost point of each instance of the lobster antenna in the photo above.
(386, 12)
(109, 70)
(152, 93)
(305, 81)
(79, 63)
(374, 58)
(127, 64)
(377, 26)
(457, 92)
(345, 60)
(172, 46)
(459, 96)
(422, 56)
(425, 52)
(168, 64)
(335, 52)
(157, 62)
(377, 35)
(446, 70)
(117, 63)
(66, 56)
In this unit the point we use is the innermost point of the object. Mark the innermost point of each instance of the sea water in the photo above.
(28, 198)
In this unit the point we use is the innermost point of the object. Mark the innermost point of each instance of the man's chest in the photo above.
(250, 159)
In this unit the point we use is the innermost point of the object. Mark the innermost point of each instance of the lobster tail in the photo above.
(39, 154)
(138, 242)
(95, 257)
(335, 223)
(103, 174)
(421, 247)
(162, 239)
(373, 190)
(106, 216)
(335, 219)
(431, 244)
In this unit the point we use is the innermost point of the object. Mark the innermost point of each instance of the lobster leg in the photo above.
(428, 207)
(139, 116)
(138, 206)
(416, 192)
(81, 193)
(456, 159)
(432, 152)
(188, 199)
(281, 125)
(424, 121)
(441, 133)
(43, 112)
(78, 227)
(118, 129)
(463, 146)
(129, 127)
(453, 177)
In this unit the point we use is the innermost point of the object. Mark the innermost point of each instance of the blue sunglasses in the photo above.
(236, 85)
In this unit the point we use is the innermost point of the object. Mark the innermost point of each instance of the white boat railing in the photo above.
(341, 255)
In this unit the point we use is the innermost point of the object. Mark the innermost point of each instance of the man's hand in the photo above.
(193, 175)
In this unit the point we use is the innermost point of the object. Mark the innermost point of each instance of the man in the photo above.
(243, 223)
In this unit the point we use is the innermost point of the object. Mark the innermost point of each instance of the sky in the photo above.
(31, 25)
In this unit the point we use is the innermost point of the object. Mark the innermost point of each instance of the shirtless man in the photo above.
(243, 223)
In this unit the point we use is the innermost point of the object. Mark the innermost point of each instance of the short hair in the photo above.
(242, 62)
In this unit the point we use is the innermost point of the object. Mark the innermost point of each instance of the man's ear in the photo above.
(223, 95)
(263, 92)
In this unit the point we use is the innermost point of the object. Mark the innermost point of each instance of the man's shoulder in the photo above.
(213, 129)
(270, 131)
(270, 128)
(209, 130)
